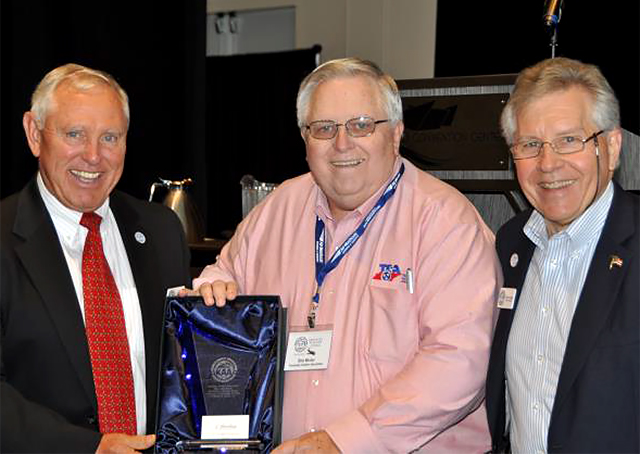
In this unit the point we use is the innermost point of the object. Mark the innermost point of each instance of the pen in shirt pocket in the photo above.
(409, 280)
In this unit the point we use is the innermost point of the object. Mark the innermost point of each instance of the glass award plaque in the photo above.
(221, 375)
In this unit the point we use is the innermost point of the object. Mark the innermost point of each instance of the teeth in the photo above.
(85, 175)
(351, 162)
(557, 184)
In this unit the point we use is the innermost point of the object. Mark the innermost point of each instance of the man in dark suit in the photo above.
(49, 402)
(564, 367)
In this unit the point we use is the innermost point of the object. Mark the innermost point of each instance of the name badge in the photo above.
(506, 297)
(308, 350)
(225, 427)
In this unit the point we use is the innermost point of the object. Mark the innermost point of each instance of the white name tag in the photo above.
(506, 297)
(225, 427)
(308, 350)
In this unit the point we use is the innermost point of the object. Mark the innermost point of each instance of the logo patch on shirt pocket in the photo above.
(388, 275)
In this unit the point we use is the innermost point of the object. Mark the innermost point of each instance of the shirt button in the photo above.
(545, 309)
(540, 358)
(315, 382)
(535, 407)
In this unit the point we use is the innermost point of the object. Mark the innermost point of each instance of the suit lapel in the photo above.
(515, 251)
(142, 259)
(599, 293)
(515, 257)
(44, 261)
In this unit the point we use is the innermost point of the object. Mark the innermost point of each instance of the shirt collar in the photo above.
(65, 220)
(585, 228)
(322, 204)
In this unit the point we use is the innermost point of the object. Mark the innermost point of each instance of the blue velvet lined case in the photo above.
(221, 361)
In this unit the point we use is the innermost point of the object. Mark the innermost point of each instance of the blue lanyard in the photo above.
(322, 268)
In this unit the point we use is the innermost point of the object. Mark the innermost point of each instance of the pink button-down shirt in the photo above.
(405, 368)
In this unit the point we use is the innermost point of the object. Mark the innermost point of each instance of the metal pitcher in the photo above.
(180, 202)
(253, 191)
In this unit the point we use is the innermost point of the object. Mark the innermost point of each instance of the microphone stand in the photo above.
(551, 20)
(554, 40)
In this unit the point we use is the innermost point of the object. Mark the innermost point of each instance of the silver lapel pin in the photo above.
(140, 238)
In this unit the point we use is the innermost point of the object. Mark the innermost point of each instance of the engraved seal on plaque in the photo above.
(224, 369)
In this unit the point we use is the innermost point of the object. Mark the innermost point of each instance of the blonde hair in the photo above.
(558, 74)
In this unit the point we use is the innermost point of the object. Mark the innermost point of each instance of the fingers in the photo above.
(218, 292)
(223, 291)
(188, 292)
(206, 291)
(141, 442)
(124, 444)
(287, 447)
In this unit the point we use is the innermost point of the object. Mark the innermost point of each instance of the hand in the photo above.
(311, 442)
(216, 293)
(124, 444)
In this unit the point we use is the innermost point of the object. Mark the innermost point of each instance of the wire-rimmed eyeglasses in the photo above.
(356, 127)
(530, 148)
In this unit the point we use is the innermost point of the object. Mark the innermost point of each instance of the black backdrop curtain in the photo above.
(156, 50)
(251, 127)
(503, 36)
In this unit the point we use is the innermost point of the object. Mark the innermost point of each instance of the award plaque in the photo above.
(221, 375)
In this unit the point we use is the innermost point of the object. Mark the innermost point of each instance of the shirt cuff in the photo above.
(352, 433)
(209, 274)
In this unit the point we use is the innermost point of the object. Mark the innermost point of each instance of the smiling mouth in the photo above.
(86, 176)
(347, 163)
(556, 184)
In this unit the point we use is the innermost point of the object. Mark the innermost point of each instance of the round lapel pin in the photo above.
(140, 238)
(513, 261)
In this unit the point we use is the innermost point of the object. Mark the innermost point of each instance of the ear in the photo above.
(398, 129)
(614, 146)
(34, 135)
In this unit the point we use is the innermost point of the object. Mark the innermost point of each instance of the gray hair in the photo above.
(558, 74)
(80, 78)
(350, 67)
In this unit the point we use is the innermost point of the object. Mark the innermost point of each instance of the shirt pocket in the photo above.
(392, 334)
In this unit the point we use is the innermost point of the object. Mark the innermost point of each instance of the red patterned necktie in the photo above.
(107, 336)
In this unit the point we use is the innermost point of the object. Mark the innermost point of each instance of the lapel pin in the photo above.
(140, 238)
(614, 260)
(513, 261)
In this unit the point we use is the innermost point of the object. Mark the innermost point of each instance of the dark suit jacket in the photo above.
(596, 407)
(47, 400)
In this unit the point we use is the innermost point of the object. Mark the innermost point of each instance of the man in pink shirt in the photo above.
(396, 265)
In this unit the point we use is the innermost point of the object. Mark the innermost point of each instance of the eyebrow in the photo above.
(562, 133)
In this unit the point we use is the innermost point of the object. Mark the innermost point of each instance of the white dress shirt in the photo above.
(542, 321)
(72, 237)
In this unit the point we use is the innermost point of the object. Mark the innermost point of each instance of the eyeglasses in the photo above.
(530, 148)
(356, 127)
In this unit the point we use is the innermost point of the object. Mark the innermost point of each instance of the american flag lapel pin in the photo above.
(616, 261)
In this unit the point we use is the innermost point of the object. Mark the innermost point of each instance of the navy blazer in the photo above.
(47, 394)
(596, 407)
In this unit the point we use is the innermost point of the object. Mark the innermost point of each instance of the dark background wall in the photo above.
(157, 52)
(501, 37)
